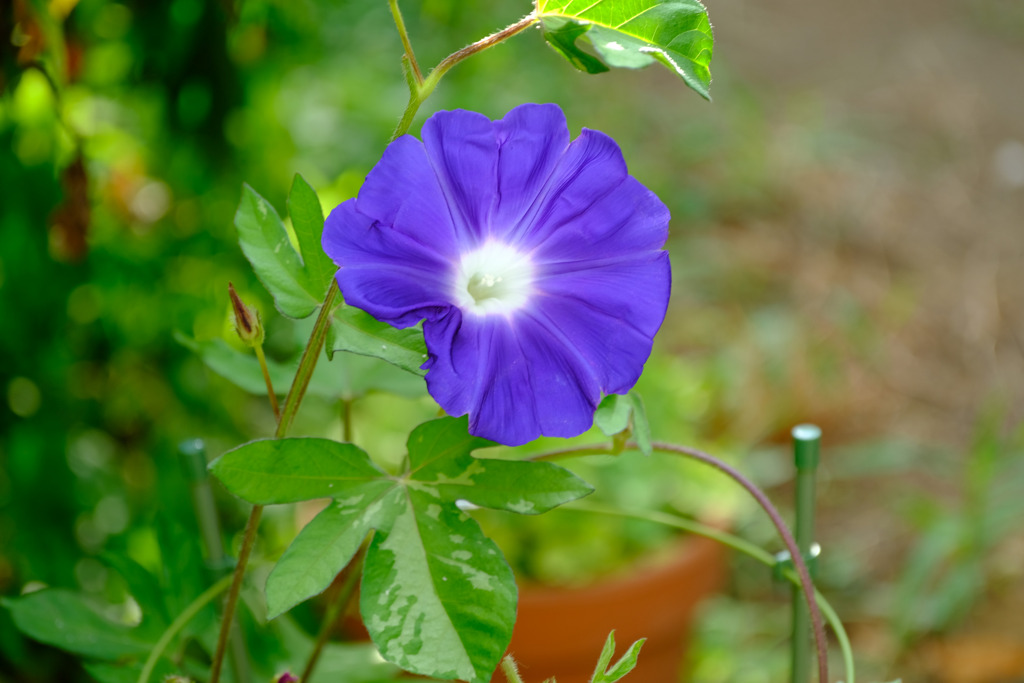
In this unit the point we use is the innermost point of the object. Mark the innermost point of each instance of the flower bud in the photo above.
(247, 320)
(286, 677)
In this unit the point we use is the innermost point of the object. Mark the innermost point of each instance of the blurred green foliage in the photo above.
(126, 130)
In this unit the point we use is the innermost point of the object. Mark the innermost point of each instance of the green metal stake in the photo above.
(806, 443)
(193, 459)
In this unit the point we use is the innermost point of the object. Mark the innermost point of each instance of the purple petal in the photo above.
(566, 389)
(591, 168)
(514, 377)
(630, 219)
(609, 313)
(391, 276)
(463, 151)
(532, 139)
(402, 192)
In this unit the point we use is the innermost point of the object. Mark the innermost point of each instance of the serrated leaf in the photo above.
(612, 414)
(605, 674)
(437, 595)
(641, 427)
(348, 376)
(308, 223)
(265, 243)
(272, 471)
(63, 619)
(633, 34)
(356, 331)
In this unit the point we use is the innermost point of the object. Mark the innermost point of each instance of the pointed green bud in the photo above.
(247, 320)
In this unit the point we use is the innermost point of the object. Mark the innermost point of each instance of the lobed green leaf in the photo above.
(438, 597)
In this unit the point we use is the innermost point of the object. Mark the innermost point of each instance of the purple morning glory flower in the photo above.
(536, 264)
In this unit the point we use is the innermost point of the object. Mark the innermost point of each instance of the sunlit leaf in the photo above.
(632, 34)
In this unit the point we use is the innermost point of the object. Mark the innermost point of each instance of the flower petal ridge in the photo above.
(536, 264)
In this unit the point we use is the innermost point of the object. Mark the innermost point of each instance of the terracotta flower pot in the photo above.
(559, 631)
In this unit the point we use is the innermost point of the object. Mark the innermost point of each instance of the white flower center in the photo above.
(494, 278)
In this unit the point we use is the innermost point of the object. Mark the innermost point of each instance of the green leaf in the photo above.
(439, 456)
(355, 330)
(265, 242)
(604, 674)
(63, 619)
(561, 34)
(612, 415)
(129, 673)
(348, 376)
(641, 427)
(308, 222)
(143, 586)
(326, 545)
(438, 597)
(271, 471)
(339, 662)
(633, 34)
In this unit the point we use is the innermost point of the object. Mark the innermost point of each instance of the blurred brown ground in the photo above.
(895, 138)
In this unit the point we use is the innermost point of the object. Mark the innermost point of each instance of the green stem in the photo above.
(307, 363)
(406, 44)
(179, 623)
(740, 545)
(787, 538)
(805, 456)
(291, 405)
(236, 588)
(334, 610)
(418, 95)
(258, 348)
(346, 420)
(511, 670)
